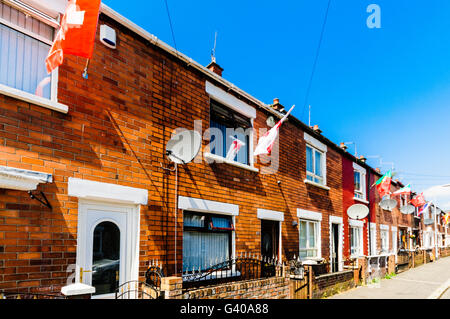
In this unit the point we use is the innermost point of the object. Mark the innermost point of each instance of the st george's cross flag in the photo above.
(418, 200)
(76, 35)
(266, 142)
(234, 148)
(403, 191)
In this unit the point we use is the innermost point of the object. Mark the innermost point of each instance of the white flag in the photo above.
(266, 142)
(234, 148)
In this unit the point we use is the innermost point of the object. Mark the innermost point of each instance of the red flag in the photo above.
(418, 200)
(76, 35)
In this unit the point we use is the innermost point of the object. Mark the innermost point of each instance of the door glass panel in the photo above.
(106, 258)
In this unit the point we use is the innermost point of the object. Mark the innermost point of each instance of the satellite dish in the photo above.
(184, 146)
(388, 204)
(408, 209)
(357, 211)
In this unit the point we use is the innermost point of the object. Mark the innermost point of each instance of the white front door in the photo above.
(107, 250)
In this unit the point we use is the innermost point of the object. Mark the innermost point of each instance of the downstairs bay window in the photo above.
(206, 240)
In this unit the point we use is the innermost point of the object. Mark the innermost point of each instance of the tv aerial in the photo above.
(357, 211)
(408, 209)
(388, 204)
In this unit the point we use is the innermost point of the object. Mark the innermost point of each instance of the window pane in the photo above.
(318, 166)
(22, 62)
(303, 231)
(309, 159)
(203, 249)
(106, 258)
(311, 235)
(357, 179)
(192, 220)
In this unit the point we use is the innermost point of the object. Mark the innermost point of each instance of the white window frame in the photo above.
(340, 222)
(51, 103)
(212, 207)
(316, 146)
(384, 229)
(313, 217)
(363, 191)
(358, 225)
(241, 107)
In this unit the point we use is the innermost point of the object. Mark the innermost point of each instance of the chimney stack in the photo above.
(343, 146)
(317, 129)
(378, 170)
(214, 67)
(362, 159)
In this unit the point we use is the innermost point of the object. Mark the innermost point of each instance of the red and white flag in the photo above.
(76, 35)
(234, 148)
(266, 142)
(418, 201)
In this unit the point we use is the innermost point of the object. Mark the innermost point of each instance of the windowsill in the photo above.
(361, 200)
(310, 260)
(307, 181)
(33, 99)
(220, 159)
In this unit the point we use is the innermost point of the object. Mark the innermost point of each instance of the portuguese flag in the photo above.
(384, 184)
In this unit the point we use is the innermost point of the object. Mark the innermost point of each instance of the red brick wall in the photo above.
(118, 123)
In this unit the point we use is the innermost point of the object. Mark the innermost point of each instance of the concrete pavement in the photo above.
(426, 281)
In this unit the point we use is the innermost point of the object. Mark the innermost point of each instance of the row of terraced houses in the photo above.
(88, 195)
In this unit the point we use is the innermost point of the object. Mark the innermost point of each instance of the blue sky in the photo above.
(387, 90)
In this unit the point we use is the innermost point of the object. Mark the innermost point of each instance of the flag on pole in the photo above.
(403, 191)
(384, 184)
(76, 35)
(234, 148)
(418, 201)
(425, 207)
(266, 142)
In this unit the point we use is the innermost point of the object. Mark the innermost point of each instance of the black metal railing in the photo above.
(150, 289)
(244, 267)
(137, 290)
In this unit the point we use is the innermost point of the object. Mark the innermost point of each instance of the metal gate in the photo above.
(150, 289)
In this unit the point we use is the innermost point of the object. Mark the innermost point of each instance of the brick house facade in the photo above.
(102, 143)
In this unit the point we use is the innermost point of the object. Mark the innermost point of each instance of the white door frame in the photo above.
(338, 221)
(131, 237)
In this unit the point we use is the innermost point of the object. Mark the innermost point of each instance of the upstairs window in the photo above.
(24, 45)
(314, 165)
(359, 178)
(231, 125)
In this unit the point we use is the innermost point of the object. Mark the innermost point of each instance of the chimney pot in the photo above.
(317, 129)
(362, 159)
(343, 146)
(214, 67)
(378, 170)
